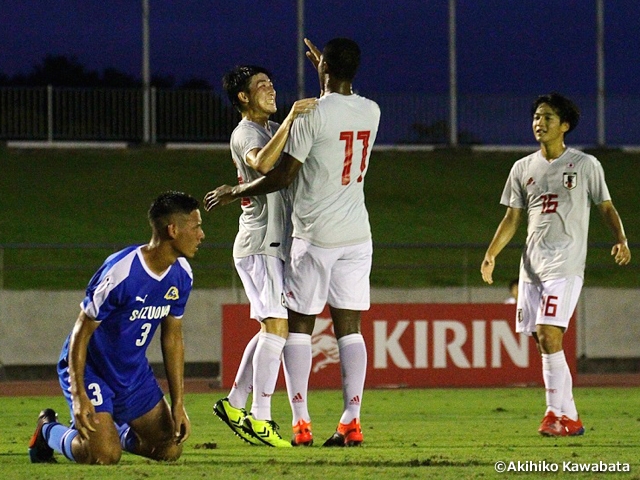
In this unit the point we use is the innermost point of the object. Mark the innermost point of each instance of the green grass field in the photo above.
(441, 197)
(439, 433)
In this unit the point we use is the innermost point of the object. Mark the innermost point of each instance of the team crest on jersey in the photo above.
(570, 180)
(172, 294)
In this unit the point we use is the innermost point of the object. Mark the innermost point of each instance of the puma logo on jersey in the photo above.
(140, 299)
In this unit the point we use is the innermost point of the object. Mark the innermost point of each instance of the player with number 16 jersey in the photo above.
(557, 197)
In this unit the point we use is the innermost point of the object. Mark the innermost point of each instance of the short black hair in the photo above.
(565, 108)
(170, 203)
(238, 80)
(342, 55)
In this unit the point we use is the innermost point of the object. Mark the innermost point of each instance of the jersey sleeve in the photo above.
(186, 284)
(102, 295)
(301, 136)
(244, 140)
(598, 190)
(513, 195)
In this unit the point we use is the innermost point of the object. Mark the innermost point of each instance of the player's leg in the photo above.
(262, 277)
(557, 303)
(267, 275)
(154, 432)
(243, 382)
(266, 366)
(231, 409)
(102, 447)
(297, 360)
(348, 297)
(306, 289)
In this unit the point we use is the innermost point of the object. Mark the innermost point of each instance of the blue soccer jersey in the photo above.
(130, 302)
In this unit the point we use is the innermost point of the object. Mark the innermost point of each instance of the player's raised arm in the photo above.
(313, 54)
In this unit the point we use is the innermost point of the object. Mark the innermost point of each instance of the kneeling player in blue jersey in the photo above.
(116, 402)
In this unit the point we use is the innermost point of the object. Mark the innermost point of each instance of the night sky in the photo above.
(504, 46)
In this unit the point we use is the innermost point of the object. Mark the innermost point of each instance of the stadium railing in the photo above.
(56, 114)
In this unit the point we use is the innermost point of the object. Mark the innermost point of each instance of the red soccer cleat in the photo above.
(572, 428)
(551, 426)
(347, 435)
(302, 436)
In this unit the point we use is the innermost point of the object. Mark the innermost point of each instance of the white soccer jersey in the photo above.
(334, 142)
(264, 218)
(557, 197)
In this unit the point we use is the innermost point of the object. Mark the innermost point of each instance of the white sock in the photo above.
(243, 383)
(568, 405)
(297, 368)
(266, 366)
(554, 367)
(353, 362)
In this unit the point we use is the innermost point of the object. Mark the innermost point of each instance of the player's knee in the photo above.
(168, 452)
(104, 454)
(549, 341)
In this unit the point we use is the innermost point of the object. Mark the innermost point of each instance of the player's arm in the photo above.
(620, 251)
(172, 343)
(276, 179)
(83, 409)
(314, 54)
(504, 233)
(263, 159)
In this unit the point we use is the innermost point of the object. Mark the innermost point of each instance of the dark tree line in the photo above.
(64, 71)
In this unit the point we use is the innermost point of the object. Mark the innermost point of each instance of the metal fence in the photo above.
(99, 114)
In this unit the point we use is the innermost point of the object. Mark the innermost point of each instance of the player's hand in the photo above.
(182, 425)
(220, 196)
(488, 264)
(84, 416)
(313, 54)
(621, 253)
(302, 106)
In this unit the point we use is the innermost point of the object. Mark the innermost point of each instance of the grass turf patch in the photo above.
(412, 433)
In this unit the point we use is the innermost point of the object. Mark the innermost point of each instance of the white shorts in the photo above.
(262, 277)
(550, 303)
(316, 276)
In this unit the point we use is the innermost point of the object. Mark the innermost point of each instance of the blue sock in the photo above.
(127, 437)
(59, 438)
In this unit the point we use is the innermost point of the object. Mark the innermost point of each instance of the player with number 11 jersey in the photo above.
(334, 142)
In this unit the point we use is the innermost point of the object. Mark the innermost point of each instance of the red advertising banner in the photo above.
(414, 345)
